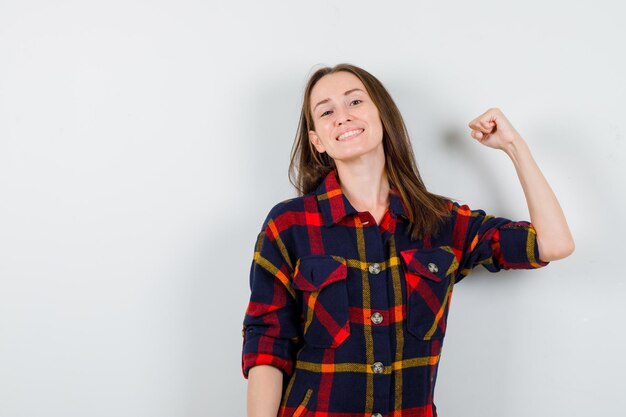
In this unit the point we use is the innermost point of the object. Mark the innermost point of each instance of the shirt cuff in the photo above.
(515, 246)
(253, 359)
(259, 349)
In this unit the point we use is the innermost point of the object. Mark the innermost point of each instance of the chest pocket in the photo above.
(429, 276)
(322, 280)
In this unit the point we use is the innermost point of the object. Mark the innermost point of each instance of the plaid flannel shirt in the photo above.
(354, 313)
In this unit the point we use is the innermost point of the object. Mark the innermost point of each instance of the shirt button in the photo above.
(374, 268)
(433, 268)
(377, 318)
(378, 367)
(377, 415)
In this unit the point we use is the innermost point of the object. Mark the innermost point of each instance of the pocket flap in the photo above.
(435, 263)
(314, 272)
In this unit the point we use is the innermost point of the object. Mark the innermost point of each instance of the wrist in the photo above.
(515, 147)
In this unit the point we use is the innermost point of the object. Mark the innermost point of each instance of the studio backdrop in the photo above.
(142, 144)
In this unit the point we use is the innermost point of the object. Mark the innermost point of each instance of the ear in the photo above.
(315, 140)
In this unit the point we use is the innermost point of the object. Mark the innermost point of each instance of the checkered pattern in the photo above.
(324, 275)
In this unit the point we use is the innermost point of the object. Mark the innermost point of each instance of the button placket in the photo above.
(378, 367)
(374, 268)
(376, 318)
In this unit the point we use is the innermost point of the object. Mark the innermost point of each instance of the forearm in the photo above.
(264, 391)
(553, 235)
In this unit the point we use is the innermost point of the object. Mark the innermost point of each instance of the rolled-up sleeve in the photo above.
(270, 327)
(497, 243)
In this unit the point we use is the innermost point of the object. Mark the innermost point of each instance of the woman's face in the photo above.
(347, 123)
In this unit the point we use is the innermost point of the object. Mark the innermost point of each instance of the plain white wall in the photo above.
(142, 143)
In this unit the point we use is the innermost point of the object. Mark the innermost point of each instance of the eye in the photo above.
(325, 113)
(357, 101)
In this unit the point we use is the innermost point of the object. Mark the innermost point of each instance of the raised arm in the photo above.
(554, 238)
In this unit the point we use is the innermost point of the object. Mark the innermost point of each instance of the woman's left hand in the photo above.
(493, 129)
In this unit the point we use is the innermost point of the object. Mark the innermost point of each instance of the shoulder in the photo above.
(287, 211)
(462, 210)
(462, 218)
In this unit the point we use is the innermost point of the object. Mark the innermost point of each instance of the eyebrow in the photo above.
(345, 94)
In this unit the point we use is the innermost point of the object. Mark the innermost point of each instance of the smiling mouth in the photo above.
(350, 134)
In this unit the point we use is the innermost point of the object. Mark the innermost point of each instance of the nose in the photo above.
(342, 116)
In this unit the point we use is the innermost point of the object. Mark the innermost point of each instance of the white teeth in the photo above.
(349, 134)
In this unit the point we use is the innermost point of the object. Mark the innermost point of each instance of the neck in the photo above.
(365, 185)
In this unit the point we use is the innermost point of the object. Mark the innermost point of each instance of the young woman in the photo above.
(351, 281)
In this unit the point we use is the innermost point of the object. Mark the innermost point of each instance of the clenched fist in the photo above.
(493, 129)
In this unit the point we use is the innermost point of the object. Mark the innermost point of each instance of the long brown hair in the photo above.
(425, 210)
